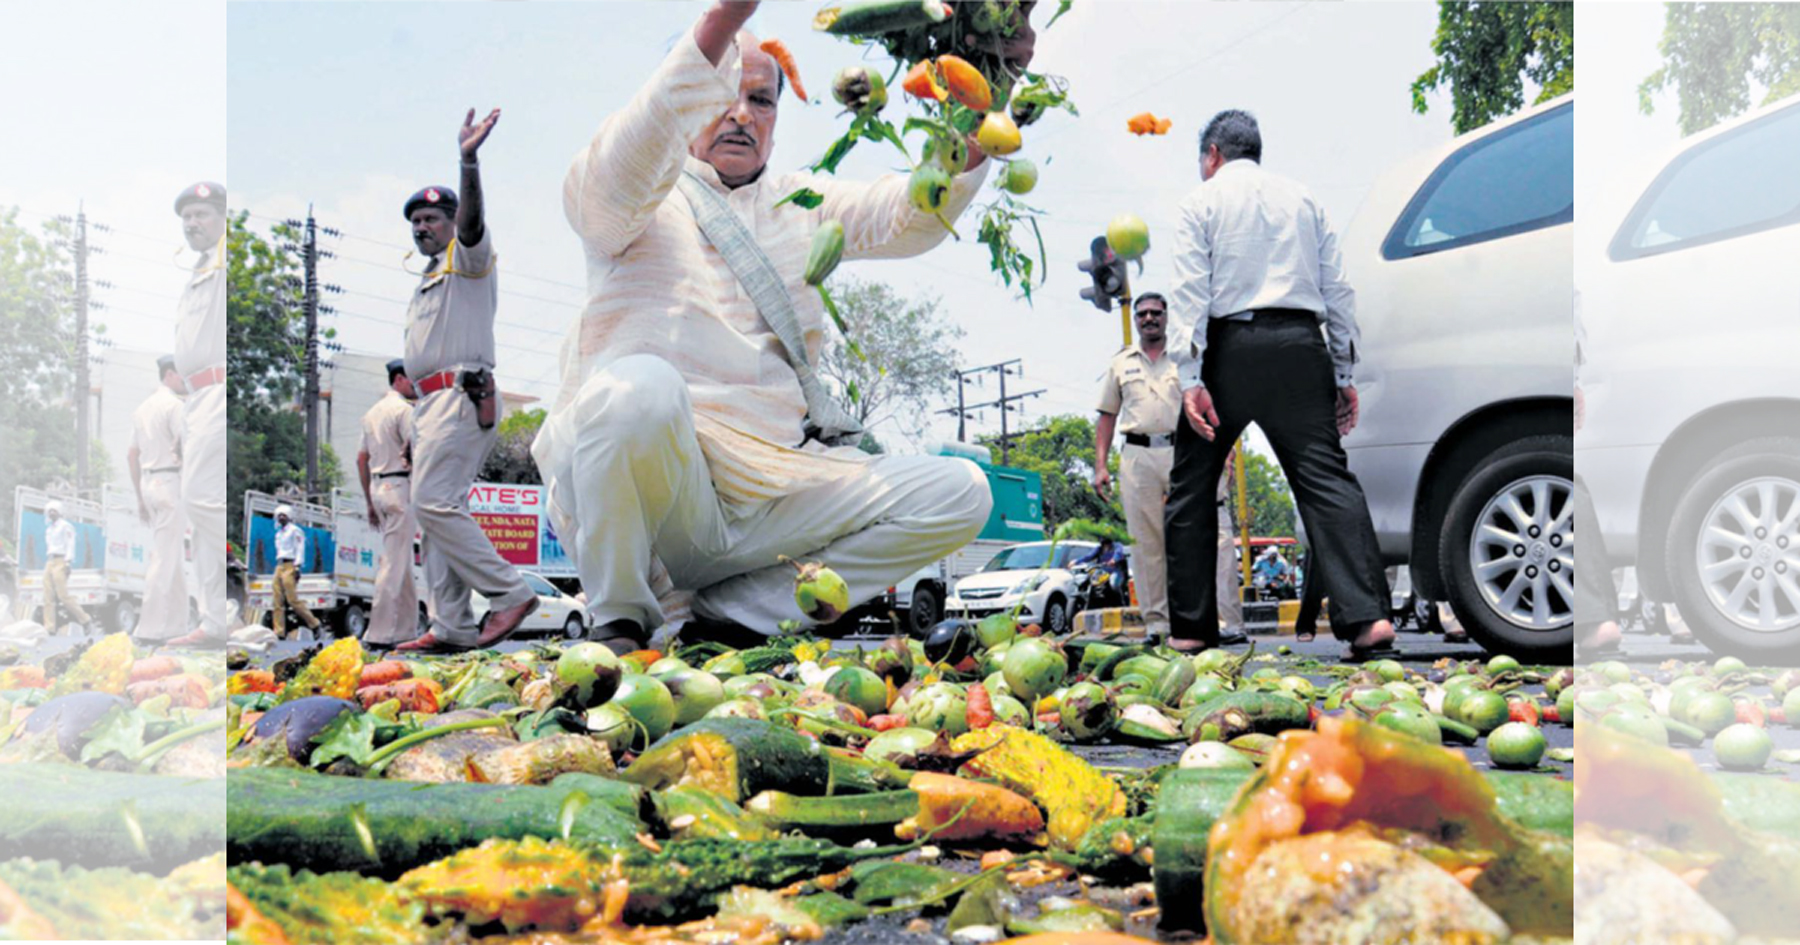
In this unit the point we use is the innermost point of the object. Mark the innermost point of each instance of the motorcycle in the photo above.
(1095, 588)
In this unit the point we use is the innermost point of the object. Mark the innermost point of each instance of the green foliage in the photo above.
(909, 350)
(265, 361)
(1061, 450)
(1713, 52)
(510, 460)
(1271, 504)
(1486, 49)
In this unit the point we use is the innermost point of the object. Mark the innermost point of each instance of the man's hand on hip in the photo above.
(374, 519)
(1347, 410)
(1103, 483)
(1197, 405)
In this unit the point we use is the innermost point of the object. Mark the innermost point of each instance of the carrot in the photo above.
(922, 82)
(1145, 123)
(980, 713)
(154, 667)
(415, 695)
(953, 808)
(778, 51)
(252, 680)
(383, 673)
(185, 691)
(23, 677)
(966, 83)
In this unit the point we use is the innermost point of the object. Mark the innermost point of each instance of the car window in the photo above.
(539, 586)
(1513, 181)
(1739, 183)
(1019, 557)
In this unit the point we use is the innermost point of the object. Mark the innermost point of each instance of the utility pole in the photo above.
(962, 409)
(310, 255)
(84, 303)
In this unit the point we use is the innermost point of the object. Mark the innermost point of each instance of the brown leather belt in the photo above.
(206, 378)
(432, 383)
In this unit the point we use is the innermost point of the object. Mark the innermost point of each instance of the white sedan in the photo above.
(1020, 571)
(556, 612)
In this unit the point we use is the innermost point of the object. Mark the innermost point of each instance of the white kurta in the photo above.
(660, 294)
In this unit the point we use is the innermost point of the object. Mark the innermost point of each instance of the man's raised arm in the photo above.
(616, 183)
(471, 222)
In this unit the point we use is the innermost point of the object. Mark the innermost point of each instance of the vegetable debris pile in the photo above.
(112, 770)
(795, 790)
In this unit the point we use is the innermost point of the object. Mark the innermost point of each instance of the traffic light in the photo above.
(1108, 272)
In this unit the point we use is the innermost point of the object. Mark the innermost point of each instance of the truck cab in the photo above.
(87, 569)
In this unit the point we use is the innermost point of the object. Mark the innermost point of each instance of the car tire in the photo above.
(1056, 615)
(925, 612)
(574, 628)
(1479, 592)
(353, 621)
(124, 616)
(1772, 466)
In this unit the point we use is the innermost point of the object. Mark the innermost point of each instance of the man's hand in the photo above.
(1197, 405)
(1103, 483)
(472, 134)
(374, 519)
(1347, 410)
(143, 512)
(1580, 408)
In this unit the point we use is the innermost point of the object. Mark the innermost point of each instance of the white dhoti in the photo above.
(203, 497)
(448, 448)
(164, 615)
(395, 617)
(630, 484)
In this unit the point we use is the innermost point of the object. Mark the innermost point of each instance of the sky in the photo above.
(350, 107)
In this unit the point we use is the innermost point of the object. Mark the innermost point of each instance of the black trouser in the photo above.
(1273, 371)
(1596, 598)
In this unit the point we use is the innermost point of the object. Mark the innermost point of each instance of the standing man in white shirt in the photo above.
(450, 357)
(200, 357)
(1258, 271)
(59, 550)
(290, 550)
(155, 460)
(385, 467)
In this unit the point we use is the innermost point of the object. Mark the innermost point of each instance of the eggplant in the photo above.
(302, 720)
(951, 641)
(71, 715)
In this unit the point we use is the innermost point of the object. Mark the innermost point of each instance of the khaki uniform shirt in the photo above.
(1145, 394)
(200, 316)
(450, 321)
(156, 430)
(387, 432)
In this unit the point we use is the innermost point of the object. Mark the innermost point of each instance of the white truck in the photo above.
(1018, 516)
(112, 555)
(316, 588)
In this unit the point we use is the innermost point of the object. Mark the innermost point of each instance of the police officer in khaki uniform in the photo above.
(450, 358)
(385, 466)
(1141, 398)
(290, 551)
(155, 460)
(200, 357)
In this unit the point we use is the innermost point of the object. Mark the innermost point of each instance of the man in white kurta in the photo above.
(155, 460)
(677, 445)
(385, 467)
(200, 357)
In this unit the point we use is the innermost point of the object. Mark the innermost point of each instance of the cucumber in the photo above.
(1228, 715)
(735, 758)
(875, 17)
(325, 823)
(784, 811)
(83, 817)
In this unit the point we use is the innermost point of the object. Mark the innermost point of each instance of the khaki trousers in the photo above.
(56, 591)
(1143, 487)
(203, 496)
(395, 617)
(164, 615)
(448, 448)
(287, 583)
(1231, 600)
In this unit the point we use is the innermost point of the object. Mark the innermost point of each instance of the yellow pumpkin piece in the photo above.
(1075, 794)
(334, 672)
(105, 667)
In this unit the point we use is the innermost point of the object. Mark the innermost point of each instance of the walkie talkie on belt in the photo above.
(479, 385)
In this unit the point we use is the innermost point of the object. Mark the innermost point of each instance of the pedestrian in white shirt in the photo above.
(155, 461)
(450, 357)
(384, 464)
(693, 443)
(1258, 272)
(290, 551)
(59, 550)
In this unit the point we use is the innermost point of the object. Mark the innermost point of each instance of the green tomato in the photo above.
(1516, 745)
(1743, 746)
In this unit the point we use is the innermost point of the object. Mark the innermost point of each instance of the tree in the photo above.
(510, 460)
(37, 347)
(1061, 451)
(1712, 52)
(910, 351)
(1486, 49)
(265, 357)
(1271, 505)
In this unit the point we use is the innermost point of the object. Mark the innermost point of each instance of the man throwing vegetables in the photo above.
(693, 445)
